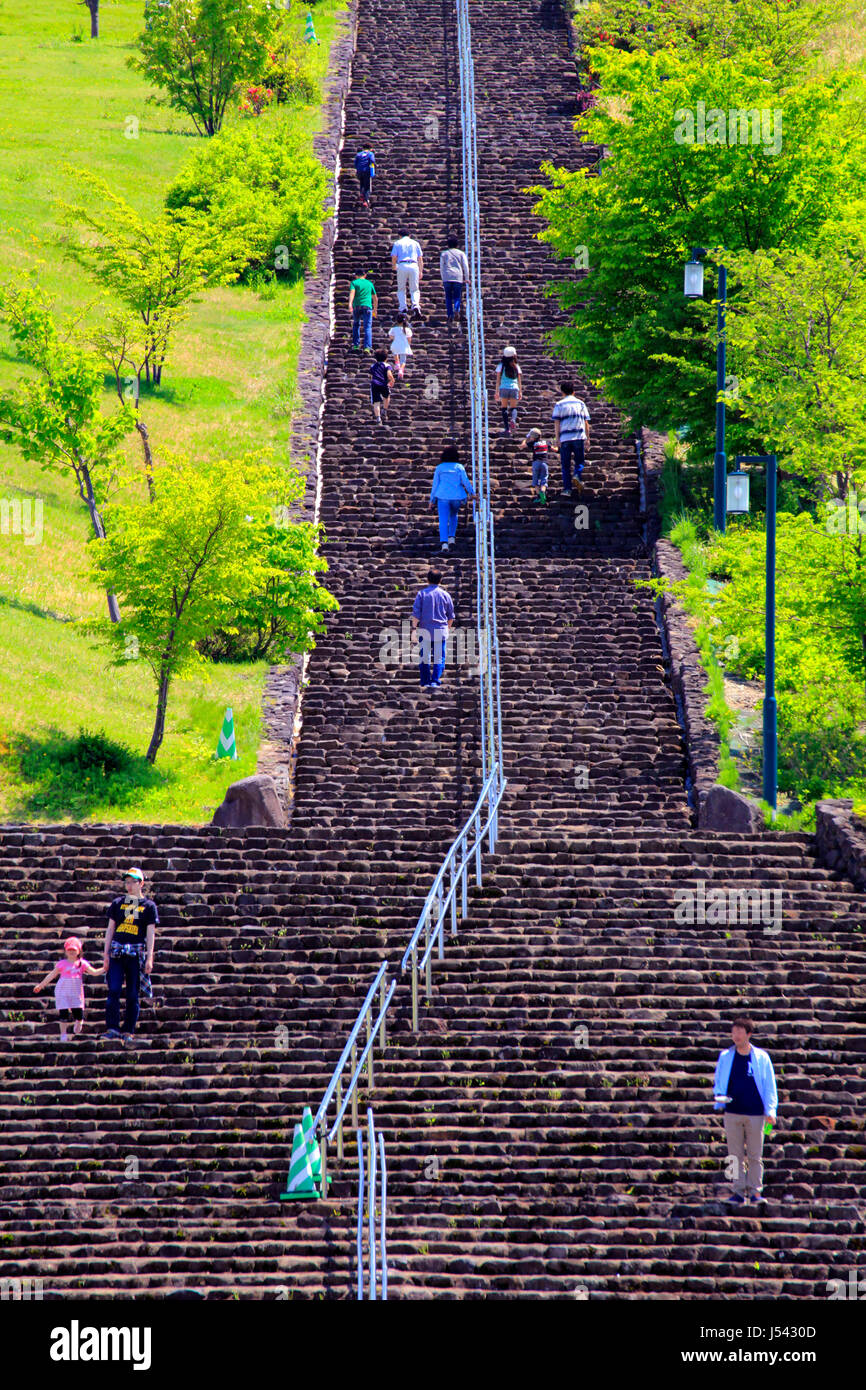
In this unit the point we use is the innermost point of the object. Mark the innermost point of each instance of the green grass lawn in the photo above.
(228, 387)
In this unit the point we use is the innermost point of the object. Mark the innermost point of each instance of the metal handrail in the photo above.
(377, 1264)
(350, 1092)
(440, 899)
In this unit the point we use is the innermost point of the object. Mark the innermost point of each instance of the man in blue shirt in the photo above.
(745, 1088)
(432, 616)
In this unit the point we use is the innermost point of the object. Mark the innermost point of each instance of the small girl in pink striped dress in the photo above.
(69, 990)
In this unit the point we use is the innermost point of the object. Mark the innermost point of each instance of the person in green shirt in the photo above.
(364, 302)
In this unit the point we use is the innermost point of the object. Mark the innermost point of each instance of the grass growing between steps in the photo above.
(229, 386)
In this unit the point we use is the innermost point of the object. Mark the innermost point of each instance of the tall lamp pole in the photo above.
(693, 288)
(738, 501)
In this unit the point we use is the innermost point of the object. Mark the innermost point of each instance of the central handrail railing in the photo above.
(377, 1255)
(453, 875)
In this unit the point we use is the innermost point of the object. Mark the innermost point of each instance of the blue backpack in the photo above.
(365, 163)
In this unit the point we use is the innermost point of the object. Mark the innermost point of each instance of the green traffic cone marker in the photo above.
(310, 30)
(226, 748)
(300, 1182)
(312, 1143)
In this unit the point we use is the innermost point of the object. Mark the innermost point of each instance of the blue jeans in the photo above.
(449, 511)
(433, 647)
(453, 297)
(122, 969)
(567, 449)
(365, 317)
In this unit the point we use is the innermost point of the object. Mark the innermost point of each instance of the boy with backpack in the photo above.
(540, 468)
(365, 168)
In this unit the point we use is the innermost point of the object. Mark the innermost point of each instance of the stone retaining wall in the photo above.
(281, 704)
(840, 838)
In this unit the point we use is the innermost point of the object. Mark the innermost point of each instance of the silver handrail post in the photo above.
(354, 1088)
(383, 1248)
(339, 1122)
(370, 1082)
(414, 989)
(371, 1205)
(323, 1150)
(453, 898)
(360, 1140)
(382, 1037)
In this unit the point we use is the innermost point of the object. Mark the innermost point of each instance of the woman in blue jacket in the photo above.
(451, 488)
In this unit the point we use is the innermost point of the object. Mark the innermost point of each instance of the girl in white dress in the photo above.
(401, 338)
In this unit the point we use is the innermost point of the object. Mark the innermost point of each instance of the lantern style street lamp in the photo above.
(693, 288)
(771, 750)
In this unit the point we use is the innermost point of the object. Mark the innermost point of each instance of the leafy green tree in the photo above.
(258, 178)
(657, 195)
(154, 268)
(54, 414)
(798, 347)
(783, 29)
(187, 563)
(198, 52)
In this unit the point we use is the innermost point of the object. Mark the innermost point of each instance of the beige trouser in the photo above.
(745, 1134)
(407, 280)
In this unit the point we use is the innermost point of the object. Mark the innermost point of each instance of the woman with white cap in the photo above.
(128, 954)
(509, 387)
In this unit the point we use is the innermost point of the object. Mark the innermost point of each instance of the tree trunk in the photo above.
(148, 457)
(159, 723)
(93, 6)
(99, 531)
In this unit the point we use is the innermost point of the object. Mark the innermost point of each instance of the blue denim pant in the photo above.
(122, 970)
(433, 647)
(359, 317)
(449, 511)
(567, 449)
(453, 297)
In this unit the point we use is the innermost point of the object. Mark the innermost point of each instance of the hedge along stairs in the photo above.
(526, 1156)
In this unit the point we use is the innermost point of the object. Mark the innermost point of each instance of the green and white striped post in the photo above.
(226, 747)
(310, 30)
(312, 1143)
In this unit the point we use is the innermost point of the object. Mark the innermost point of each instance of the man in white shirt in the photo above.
(454, 269)
(572, 434)
(408, 261)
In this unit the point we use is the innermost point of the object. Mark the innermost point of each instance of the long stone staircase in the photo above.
(549, 1130)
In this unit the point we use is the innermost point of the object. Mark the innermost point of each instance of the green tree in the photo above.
(258, 179)
(154, 268)
(188, 562)
(797, 341)
(658, 194)
(54, 414)
(198, 52)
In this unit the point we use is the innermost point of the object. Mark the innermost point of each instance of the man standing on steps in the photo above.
(454, 269)
(572, 434)
(364, 302)
(745, 1088)
(408, 260)
(128, 954)
(432, 616)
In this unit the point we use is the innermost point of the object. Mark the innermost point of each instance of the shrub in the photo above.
(259, 179)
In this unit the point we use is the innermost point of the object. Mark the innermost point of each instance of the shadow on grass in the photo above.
(70, 776)
(25, 606)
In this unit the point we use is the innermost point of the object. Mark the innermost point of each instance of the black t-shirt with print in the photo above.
(133, 919)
